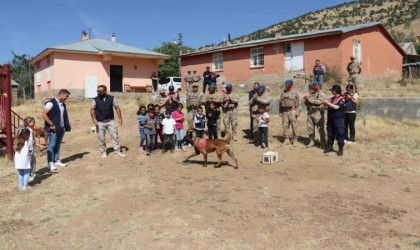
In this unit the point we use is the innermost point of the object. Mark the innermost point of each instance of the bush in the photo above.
(333, 75)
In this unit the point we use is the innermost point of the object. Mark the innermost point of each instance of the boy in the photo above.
(263, 119)
(212, 116)
(168, 129)
(150, 131)
(159, 117)
(200, 120)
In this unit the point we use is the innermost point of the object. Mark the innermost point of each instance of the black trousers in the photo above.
(251, 134)
(263, 136)
(349, 121)
(199, 133)
(169, 143)
(212, 131)
(335, 129)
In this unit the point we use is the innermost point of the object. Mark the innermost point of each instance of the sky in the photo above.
(29, 27)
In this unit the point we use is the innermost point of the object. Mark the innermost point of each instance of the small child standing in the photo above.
(179, 118)
(29, 123)
(159, 132)
(23, 152)
(212, 116)
(150, 131)
(169, 129)
(141, 118)
(200, 120)
(263, 119)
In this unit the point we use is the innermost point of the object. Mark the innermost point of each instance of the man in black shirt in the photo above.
(206, 78)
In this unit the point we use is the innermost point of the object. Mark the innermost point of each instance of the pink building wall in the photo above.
(68, 70)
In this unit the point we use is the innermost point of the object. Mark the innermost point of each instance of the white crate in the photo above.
(270, 157)
(93, 130)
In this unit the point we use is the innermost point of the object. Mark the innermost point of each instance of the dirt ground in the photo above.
(367, 199)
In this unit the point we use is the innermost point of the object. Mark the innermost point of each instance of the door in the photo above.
(293, 55)
(91, 84)
(116, 78)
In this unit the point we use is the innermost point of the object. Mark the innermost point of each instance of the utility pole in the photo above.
(180, 51)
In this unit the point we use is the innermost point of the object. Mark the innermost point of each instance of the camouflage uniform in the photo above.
(189, 80)
(162, 101)
(229, 108)
(262, 100)
(289, 108)
(316, 116)
(196, 78)
(353, 68)
(217, 98)
(194, 100)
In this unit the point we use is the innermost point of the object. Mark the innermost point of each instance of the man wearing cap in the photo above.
(335, 121)
(319, 71)
(229, 108)
(354, 70)
(261, 99)
(213, 96)
(314, 103)
(289, 110)
(194, 100)
(251, 94)
(188, 78)
(162, 100)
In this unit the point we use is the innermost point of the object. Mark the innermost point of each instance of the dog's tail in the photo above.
(227, 136)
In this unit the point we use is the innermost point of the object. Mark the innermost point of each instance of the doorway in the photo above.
(116, 78)
(293, 54)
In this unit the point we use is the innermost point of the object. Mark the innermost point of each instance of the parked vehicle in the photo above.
(171, 80)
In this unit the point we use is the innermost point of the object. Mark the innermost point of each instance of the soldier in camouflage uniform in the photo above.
(354, 70)
(217, 98)
(229, 108)
(314, 103)
(189, 80)
(194, 100)
(261, 99)
(196, 77)
(162, 100)
(289, 110)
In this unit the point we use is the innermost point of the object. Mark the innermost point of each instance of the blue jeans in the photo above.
(23, 177)
(320, 79)
(179, 137)
(142, 136)
(54, 143)
(150, 142)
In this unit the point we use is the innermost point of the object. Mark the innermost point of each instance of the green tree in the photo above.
(23, 74)
(170, 67)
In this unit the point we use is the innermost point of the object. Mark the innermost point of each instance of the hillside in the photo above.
(396, 15)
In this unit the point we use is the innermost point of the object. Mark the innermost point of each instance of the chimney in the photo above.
(84, 36)
(277, 34)
(113, 39)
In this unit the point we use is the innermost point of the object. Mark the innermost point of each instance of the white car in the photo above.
(172, 80)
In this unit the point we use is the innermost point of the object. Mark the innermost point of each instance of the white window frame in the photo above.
(218, 62)
(38, 78)
(357, 50)
(257, 57)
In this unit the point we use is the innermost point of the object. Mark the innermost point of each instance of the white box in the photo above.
(270, 157)
(93, 130)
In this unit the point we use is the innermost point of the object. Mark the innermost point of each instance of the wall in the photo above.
(326, 49)
(380, 57)
(69, 71)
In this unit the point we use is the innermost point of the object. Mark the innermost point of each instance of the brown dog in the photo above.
(39, 132)
(219, 145)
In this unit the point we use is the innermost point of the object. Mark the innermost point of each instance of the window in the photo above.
(38, 78)
(357, 50)
(257, 57)
(218, 62)
(48, 74)
(287, 48)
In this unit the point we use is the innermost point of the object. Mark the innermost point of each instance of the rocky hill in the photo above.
(396, 15)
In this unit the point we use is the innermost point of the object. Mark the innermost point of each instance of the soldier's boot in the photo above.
(340, 150)
(311, 142)
(328, 148)
(286, 141)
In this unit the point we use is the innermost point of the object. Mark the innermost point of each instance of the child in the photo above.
(169, 129)
(29, 123)
(263, 119)
(23, 152)
(150, 131)
(200, 120)
(212, 116)
(179, 118)
(141, 117)
(159, 117)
